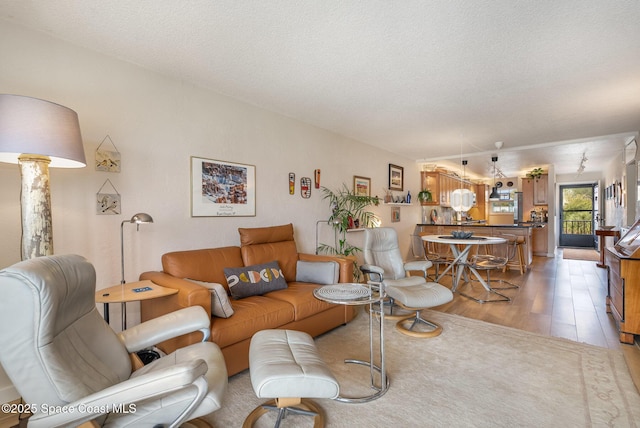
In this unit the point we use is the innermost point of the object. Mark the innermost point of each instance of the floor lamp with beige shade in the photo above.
(38, 134)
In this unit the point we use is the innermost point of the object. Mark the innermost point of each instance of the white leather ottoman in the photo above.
(284, 365)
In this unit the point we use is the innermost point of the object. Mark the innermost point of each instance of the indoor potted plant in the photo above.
(425, 196)
(347, 211)
(535, 173)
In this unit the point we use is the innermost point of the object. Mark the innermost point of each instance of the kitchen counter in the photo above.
(533, 224)
(476, 224)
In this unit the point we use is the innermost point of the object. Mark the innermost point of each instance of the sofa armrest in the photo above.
(189, 294)
(346, 263)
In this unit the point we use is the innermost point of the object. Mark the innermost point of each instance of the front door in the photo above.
(577, 215)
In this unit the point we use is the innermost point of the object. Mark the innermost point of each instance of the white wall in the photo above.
(157, 123)
(614, 171)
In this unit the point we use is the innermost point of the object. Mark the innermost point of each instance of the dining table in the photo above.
(460, 248)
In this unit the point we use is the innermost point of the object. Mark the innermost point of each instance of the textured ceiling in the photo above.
(424, 79)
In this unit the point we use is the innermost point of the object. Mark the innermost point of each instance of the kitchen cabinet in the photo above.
(431, 181)
(539, 241)
(441, 185)
(480, 210)
(535, 195)
(541, 190)
(446, 187)
(527, 198)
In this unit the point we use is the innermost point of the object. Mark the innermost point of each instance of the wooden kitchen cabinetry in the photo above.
(535, 192)
(541, 190)
(441, 185)
(539, 241)
(623, 299)
(480, 208)
(431, 181)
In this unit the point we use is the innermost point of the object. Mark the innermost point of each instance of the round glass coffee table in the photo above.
(361, 294)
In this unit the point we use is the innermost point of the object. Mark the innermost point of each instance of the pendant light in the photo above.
(462, 199)
(494, 196)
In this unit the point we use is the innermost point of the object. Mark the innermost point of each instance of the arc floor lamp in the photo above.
(38, 134)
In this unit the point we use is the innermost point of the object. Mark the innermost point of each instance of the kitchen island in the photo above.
(482, 229)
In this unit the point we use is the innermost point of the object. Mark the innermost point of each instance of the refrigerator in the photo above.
(519, 207)
(509, 203)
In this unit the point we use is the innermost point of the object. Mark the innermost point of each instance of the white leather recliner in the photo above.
(71, 367)
(385, 267)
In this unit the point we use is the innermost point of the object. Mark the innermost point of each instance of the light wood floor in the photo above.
(557, 297)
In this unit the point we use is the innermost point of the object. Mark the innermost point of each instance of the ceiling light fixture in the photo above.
(462, 199)
(494, 196)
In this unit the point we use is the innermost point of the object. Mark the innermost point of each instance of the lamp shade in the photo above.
(494, 196)
(461, 200)
(141, 218)
(33, 126)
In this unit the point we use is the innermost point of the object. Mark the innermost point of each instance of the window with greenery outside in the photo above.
(577, 211)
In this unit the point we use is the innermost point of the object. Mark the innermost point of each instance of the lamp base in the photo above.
(35, 202)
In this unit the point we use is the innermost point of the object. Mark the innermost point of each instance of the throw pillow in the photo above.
(323, 273)
(220, 305)
(254, 280)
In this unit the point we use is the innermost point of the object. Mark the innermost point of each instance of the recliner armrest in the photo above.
(168, 326)
(421, 265)
(373, 270)
(131, 391)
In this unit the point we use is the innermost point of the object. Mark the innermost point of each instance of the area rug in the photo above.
(580, 254)
(475, 374)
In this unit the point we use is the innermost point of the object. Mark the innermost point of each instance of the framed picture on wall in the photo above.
(222, 189)
(396, 177)
(395, 214)
(361, 186)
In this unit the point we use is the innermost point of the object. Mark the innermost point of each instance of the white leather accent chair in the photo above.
(385, 268)
(60, 353)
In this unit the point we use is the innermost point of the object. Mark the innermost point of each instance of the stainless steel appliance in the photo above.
(518, 207)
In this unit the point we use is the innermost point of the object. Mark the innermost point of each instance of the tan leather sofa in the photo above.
(292, 308)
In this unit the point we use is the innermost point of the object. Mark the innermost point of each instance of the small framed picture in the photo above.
(396, 177)
(395, 214)
(361, 186)
(108, 203)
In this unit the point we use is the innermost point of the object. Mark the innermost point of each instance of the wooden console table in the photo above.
(603, 233)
